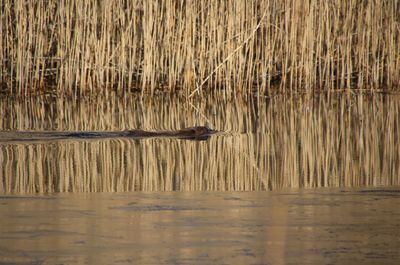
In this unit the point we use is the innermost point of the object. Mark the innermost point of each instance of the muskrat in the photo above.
(185, 133)
(191, 133)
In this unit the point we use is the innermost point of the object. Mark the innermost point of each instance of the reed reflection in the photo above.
(269, 144)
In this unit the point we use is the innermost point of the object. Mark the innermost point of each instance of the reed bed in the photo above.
(89, 47)
(342, 141)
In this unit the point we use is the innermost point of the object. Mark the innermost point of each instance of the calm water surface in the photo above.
(292, 227)
(287, 180)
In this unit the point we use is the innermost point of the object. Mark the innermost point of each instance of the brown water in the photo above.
(322, 175)
(292, 227)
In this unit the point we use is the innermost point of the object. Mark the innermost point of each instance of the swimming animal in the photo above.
(197, 133)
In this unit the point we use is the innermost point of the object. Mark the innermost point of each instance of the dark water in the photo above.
(288, 180)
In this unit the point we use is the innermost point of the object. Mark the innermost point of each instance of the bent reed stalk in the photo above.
(88, 47)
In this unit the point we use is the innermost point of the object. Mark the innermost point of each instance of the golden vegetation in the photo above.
(341, 141)
(88, 47)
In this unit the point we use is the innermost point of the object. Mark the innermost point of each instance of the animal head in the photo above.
(201, 130)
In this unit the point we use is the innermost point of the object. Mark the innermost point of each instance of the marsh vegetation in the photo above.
(90, 47)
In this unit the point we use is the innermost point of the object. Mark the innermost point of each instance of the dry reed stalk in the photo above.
(89, 47)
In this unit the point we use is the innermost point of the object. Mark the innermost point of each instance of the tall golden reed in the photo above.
(79, 47)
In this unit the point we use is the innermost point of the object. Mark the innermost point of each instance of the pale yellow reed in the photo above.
(88, 47)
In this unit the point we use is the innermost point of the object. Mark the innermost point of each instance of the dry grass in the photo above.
(88, 47)
(344, 141)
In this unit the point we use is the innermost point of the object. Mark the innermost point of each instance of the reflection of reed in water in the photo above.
(315, 142)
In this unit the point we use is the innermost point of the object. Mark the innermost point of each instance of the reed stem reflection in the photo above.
(319, 141)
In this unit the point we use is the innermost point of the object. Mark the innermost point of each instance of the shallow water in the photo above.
(316, 226)
(321, 175)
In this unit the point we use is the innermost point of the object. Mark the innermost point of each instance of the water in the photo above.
(280, 227)
(287, 180)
